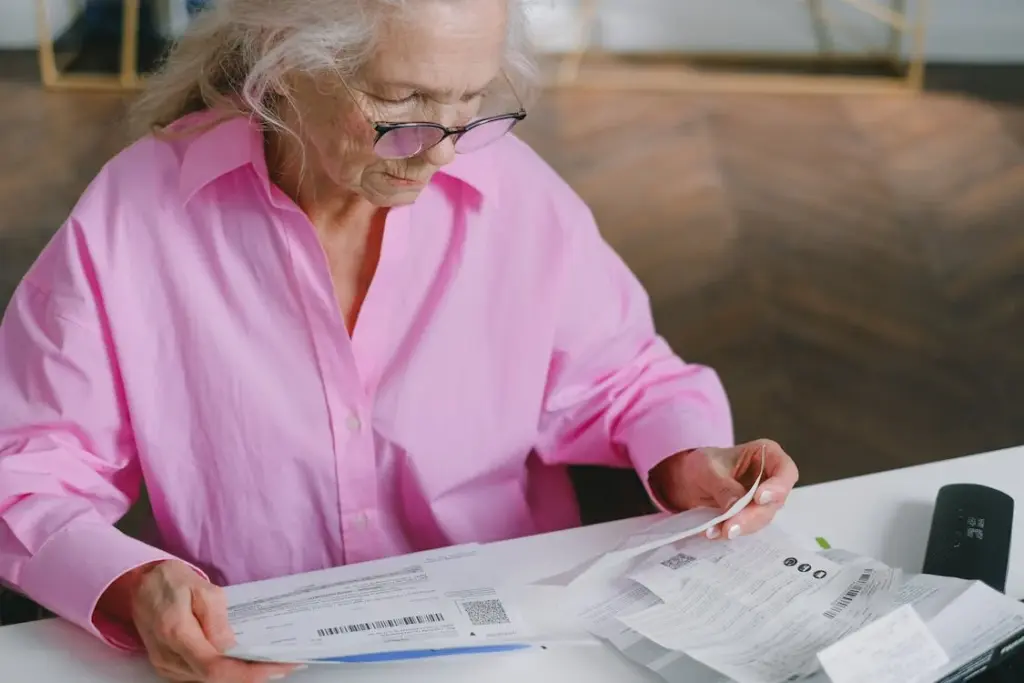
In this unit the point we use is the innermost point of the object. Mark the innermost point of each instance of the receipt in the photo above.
(759, 608)
(973, 622)
(897, 648)
(609, 601)
(669, 530)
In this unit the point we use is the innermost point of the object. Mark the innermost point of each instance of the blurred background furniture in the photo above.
(896, 66)
(55, 72)
(17, 609)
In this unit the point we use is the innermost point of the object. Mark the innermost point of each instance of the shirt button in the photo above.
(353, 423)
(360, 520)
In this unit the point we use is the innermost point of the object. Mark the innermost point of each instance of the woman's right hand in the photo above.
(182, 620)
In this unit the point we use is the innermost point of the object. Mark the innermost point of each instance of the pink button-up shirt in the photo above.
(181, 330)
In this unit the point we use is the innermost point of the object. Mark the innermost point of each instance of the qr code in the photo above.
(679, 561)
(486, 612)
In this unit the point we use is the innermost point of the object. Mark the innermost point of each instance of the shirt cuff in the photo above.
(74, 567)
(671, 429)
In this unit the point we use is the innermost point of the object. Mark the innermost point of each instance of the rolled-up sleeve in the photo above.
(617, 394)
(68, 466)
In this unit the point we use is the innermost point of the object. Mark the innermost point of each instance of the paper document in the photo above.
(978, 619)
(767, 608)
(431, 603)
(610, 601)
(757, 609)
(668, 530)
(897, 648)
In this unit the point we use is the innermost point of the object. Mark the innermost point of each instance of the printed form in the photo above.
(438, 601)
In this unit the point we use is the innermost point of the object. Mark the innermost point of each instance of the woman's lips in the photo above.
(397, 180)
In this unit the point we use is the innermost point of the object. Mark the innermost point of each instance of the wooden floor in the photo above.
(852, 266)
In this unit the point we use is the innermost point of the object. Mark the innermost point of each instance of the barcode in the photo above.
(382, 624)
(679, 561)
(486, 612)
(844, 601)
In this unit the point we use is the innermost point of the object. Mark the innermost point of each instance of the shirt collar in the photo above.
(222, 145)
(217, 146)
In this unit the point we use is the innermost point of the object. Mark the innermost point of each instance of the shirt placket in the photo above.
(376, 335)
(349, 406)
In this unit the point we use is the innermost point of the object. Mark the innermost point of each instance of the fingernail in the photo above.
(734, 531)
(300, 667)
(766, 497)
(713, 533)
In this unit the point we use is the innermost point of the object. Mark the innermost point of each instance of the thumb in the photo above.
(210, 607)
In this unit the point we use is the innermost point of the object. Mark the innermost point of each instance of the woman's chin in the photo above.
(387, 193)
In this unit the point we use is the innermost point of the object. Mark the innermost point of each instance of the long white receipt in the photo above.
(669, 530)
(897, 648)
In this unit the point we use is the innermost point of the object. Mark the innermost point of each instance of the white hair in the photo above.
(236, 56)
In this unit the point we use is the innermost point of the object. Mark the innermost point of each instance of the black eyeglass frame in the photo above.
(382, 128)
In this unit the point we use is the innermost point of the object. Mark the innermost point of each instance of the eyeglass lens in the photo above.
(408, 141)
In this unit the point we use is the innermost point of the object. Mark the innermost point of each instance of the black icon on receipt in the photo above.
(820, 574)
(804, 567)
(790, 561)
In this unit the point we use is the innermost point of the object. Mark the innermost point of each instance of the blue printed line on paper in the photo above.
(400, 655)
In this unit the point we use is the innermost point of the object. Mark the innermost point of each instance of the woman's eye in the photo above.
(414, 97)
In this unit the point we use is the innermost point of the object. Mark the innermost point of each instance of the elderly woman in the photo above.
(328, 310)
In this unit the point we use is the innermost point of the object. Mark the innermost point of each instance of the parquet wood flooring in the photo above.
(853, 267)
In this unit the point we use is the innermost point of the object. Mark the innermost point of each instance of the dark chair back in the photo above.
(608, 495)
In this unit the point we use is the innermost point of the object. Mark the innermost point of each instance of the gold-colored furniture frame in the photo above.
(55, 77)
(571, 72)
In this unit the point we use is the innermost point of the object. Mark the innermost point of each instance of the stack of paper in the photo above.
(431, 604)
(766, 608)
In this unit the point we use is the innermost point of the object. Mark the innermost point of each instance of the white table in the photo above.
(885, 515)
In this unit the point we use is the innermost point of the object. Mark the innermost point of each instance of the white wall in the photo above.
(18, 21)
(958, 30)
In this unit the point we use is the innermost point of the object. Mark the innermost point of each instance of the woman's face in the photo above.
(433, 67)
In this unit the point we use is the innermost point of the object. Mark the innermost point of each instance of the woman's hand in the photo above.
(717, 477)
(183, 622)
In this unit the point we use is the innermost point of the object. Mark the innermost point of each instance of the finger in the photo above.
(176, 675)
(782, 475)
(182, 635)
(171, 666)
(227, 670)
(210, 606)
(165, 661)
(190, 642)
(749, 520)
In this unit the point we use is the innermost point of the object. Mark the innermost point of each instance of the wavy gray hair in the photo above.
(236, 56)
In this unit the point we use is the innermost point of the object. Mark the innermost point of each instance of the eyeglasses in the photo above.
(405, 140)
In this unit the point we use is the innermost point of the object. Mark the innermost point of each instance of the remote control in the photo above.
(970, 534)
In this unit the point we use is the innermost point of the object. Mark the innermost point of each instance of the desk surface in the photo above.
(885, 515)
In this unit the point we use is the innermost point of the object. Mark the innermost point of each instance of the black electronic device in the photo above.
(970, 535)
(970, 539)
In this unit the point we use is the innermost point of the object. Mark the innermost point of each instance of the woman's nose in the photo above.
(441, 154)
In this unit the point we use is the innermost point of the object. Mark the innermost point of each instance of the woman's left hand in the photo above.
(718, 477)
